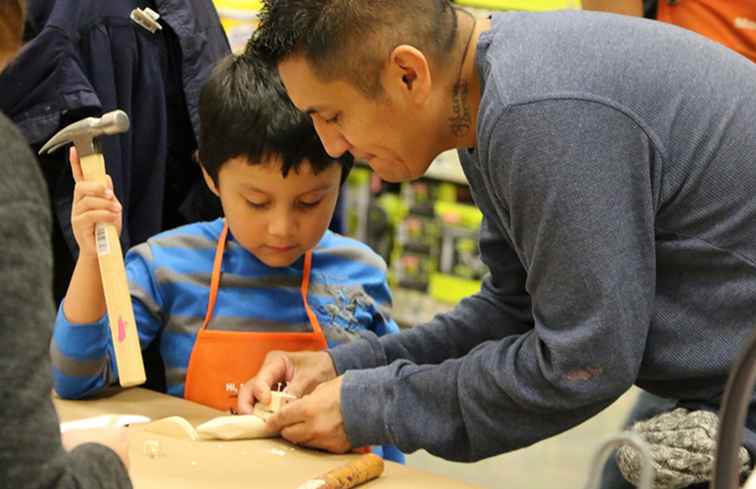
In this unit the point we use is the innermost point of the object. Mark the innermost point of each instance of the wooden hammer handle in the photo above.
(363, 469)
(128, 352)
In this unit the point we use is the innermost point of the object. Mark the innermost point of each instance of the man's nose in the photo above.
(333, 141)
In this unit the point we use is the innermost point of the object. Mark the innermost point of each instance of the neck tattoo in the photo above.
(461, 121)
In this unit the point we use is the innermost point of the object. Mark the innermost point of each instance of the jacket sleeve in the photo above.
(576, 192)
(83, 356)
(31, 454)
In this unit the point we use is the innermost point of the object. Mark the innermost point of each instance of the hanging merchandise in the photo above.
(239, 19)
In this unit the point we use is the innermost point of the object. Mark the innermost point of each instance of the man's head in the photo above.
(363, 70)
(11, 28)
(261, 156)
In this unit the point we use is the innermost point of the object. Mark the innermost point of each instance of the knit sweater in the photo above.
(31, 454)
(615, 166)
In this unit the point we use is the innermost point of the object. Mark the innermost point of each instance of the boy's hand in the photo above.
(114, 438)
(302, 371)
(93, 203)
(315, 420)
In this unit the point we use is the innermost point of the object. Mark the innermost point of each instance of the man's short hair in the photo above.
(352, 39)
(244, 111)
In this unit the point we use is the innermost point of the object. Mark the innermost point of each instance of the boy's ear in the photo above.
(209, 181)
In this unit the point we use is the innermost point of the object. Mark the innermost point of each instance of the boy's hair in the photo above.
(12, 13)
(244, 111)
(352, 40)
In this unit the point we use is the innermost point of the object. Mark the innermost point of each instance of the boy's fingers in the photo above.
(245, 402)
(73, 158)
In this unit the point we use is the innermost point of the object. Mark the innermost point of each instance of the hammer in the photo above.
(82, 134)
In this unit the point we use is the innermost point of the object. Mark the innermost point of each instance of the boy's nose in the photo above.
(281, 225)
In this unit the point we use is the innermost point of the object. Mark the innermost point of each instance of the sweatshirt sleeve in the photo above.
(31, 454)
(83, 356)
(573, 179)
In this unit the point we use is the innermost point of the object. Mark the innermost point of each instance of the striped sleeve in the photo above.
(83, 357)
(357, 295)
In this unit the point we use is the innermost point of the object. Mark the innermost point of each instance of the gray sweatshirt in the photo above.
(31, 454)
(615, 167)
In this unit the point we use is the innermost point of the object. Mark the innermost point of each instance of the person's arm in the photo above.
(83, 356)
(31, 453)
(624, 7)
(453, 334)
(577, 179)
(93, 203)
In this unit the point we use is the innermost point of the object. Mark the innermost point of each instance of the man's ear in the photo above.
(409, 72)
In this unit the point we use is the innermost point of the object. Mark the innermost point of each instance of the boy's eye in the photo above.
(257, 205)
(333, 120)
(309, 204)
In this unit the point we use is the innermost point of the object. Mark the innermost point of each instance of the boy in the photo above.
(221, 294)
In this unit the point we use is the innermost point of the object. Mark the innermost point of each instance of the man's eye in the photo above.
(333, 120)
(257, 205)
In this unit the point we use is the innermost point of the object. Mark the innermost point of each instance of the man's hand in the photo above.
(302, 371)
(114, 438)
(315, 420)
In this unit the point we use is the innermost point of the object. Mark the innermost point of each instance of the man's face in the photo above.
(386, 132)
(277, 219)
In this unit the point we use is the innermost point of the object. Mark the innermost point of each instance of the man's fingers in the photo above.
(298, 434)
(291, 414)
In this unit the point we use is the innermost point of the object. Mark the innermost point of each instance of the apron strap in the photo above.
(304, 288)
(216, 275)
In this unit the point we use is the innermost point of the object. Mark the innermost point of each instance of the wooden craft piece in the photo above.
(236, 427)
(174, 426)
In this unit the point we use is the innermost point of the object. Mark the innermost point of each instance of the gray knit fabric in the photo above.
(682, 445)
(31, 454)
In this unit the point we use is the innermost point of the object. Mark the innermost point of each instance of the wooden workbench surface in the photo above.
(259, 464)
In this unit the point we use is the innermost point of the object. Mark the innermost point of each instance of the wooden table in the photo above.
(247, 464)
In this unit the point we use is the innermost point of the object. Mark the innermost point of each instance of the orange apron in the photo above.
(732, 23)
(222, 361)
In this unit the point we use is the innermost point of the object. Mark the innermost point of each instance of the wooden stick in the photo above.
(128, 353)
(352, 474)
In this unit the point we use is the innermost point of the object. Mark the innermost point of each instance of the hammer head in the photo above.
(83, 133)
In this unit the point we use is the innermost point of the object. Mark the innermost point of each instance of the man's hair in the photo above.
(244, 111)
(12, 14)
(352, 39)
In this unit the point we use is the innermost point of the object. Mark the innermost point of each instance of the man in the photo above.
(617, 186)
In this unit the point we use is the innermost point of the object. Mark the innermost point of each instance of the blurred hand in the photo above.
(302, 371)
(114, 438)
(315, 420)
(93, 203)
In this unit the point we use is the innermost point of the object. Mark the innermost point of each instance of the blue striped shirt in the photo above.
(169, 280)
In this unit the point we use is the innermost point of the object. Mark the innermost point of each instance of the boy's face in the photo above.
(275, 218)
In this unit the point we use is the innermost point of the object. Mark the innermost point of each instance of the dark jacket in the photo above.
(87, 57)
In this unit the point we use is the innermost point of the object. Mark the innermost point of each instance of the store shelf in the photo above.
(446, 167)
(412, 307)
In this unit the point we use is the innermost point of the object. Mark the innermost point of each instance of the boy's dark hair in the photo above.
(352, 40)
(244, 111)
